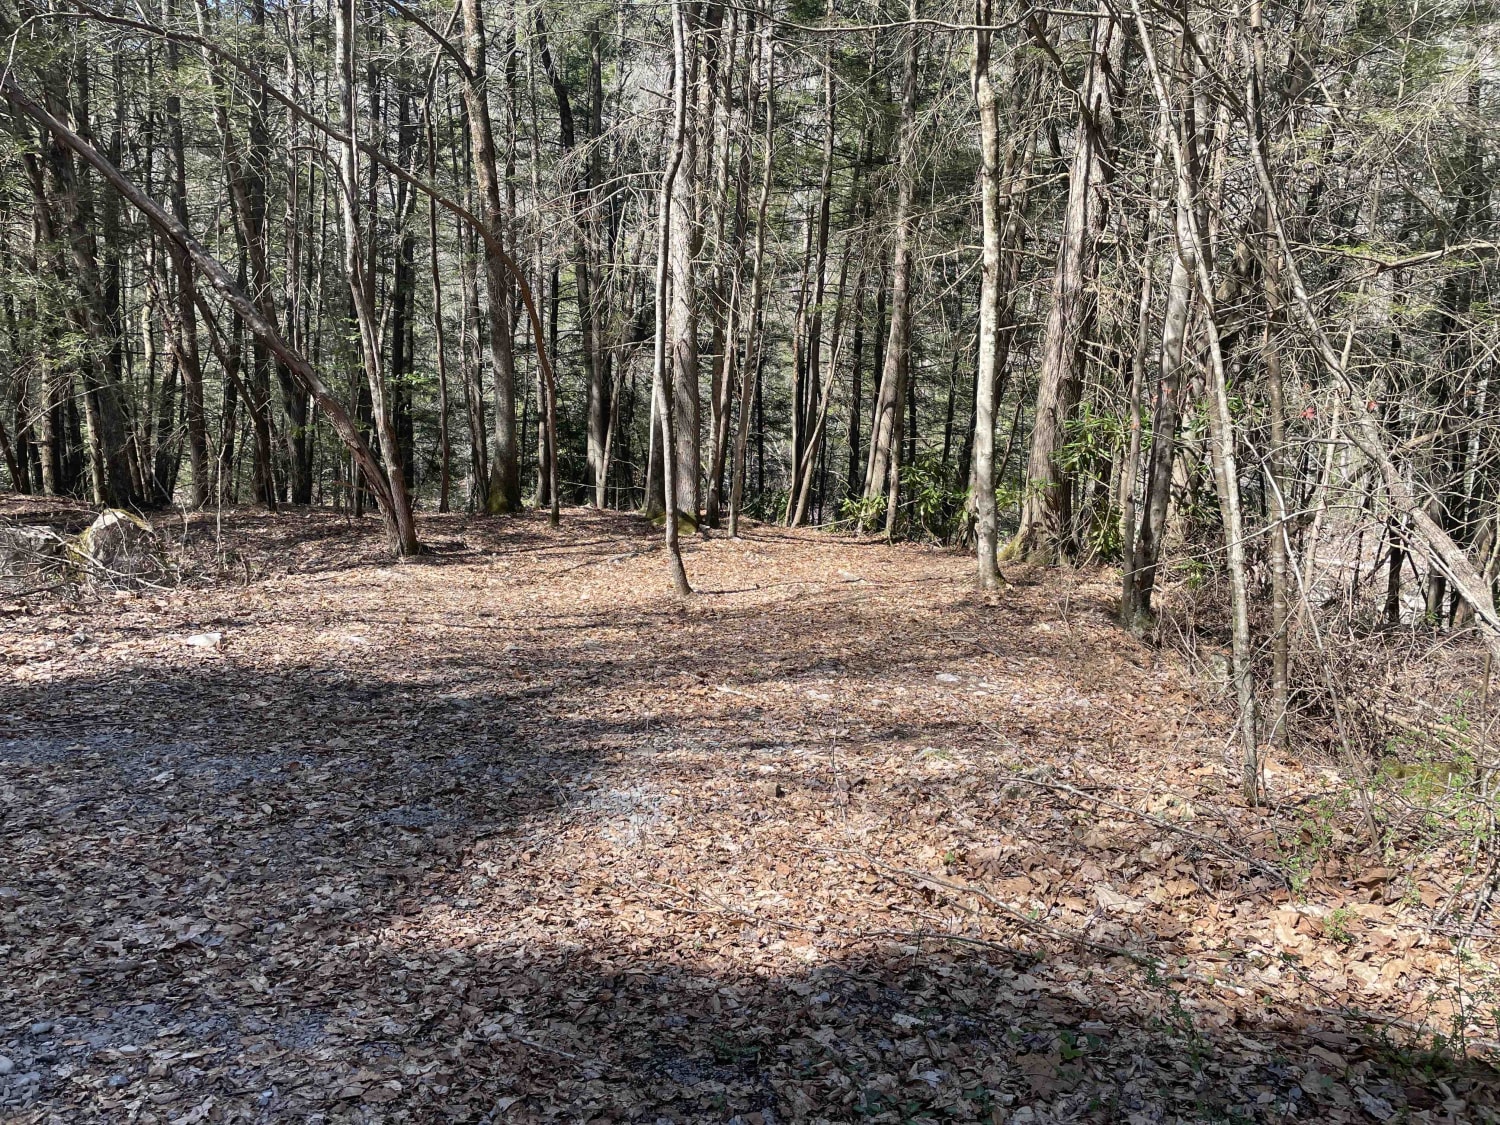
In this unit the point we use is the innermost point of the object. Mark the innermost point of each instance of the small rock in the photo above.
(6, 1066)
(1376, 1107)
(41, 1027)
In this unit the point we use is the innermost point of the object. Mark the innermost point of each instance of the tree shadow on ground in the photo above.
(515, 876)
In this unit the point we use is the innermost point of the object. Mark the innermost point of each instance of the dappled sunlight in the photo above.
(508, 836)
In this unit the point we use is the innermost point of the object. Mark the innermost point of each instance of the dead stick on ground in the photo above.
(1153, 965)
(1161, 822)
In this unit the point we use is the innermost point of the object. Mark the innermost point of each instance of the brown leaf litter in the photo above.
(507, 834)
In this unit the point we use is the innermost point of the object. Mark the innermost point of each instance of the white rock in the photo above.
(6, 1066)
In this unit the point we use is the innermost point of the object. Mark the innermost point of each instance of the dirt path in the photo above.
(507, 835)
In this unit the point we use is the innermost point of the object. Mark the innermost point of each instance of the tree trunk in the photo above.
(750, 376)
(186, 343)
(986, 523)
(682, 316)
(1193, 252)
(1047, 509)
(361, 287)
(662, 368)
(504, 491)
(883, 471)
(439, 333)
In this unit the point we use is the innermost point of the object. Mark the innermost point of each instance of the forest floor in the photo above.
(507, 834)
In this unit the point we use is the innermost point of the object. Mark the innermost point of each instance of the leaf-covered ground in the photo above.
(507, 834)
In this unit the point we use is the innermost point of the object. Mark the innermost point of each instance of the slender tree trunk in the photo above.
(883, 474)
(186, 346)
(803, 482)
(1169, 405)
(729, 277)
(1194, 250)
(682, 316)
(986, 524)
(662, 367)
(1276, 479)
(361, 286)
(439, 332)
(766, 64)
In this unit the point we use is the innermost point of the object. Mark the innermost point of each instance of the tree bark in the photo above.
(504, 491)
(1046, 511)
(986, 522)
(749, 377)
(662, 368)
(883, 471)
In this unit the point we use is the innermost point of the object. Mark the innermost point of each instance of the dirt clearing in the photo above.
(507, 834)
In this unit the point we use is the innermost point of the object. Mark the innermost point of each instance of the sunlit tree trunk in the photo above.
(883, 470)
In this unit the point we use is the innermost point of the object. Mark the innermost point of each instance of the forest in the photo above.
(545, 537)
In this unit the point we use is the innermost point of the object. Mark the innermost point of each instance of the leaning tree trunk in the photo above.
(361, 287)
(211, 269)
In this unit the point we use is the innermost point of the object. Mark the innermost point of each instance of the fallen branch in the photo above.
(1161, 822)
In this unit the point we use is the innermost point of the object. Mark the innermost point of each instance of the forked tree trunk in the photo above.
(1046, 512)
(361, 286)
